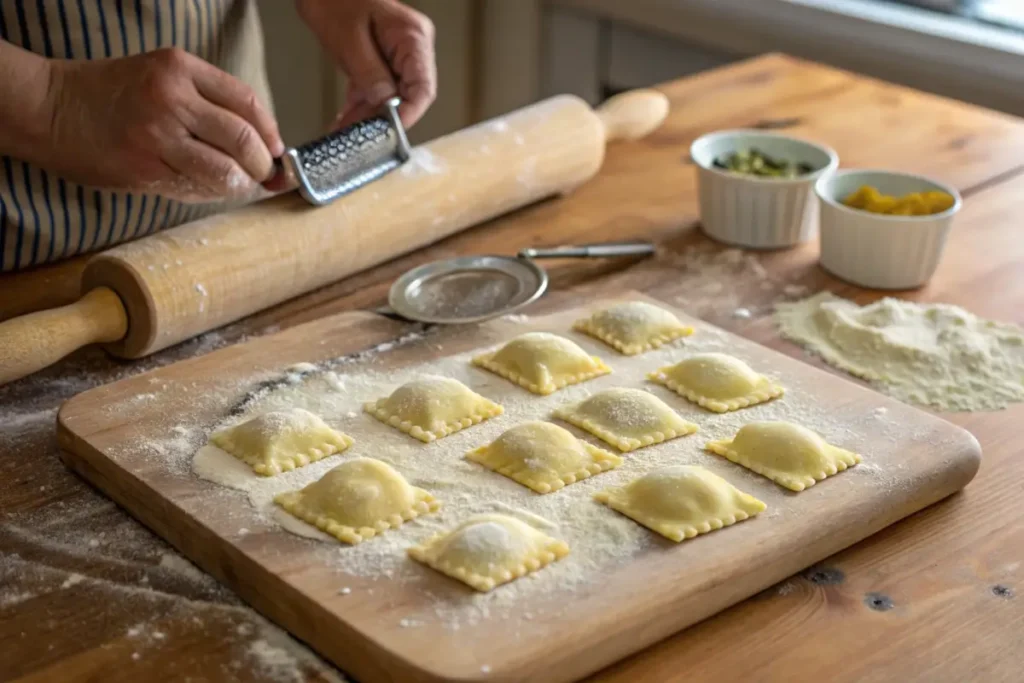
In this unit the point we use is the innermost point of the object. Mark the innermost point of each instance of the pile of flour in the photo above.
(935, 355)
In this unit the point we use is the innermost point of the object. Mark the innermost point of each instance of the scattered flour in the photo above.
(14, 424)
(712, 282)
(335, 382)
(270, 656)
(73, 579)
(526, 176)
(934, 355)
(9, 599)
(179, 564)
(276, 657)
(301, 368)
(602, 541)
(422, 162)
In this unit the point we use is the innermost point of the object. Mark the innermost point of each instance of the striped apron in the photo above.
(44, 218)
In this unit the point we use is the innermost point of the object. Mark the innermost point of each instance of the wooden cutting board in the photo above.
(665, 588)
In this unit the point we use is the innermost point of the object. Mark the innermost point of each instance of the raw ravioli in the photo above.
(542, 362)
(281, 440)
(489, 550)
(634, 327)
(543, 456)
(431, 408)
(626, 418)
(717, 381)
(788, 454)
(357, 500)
(681, 502)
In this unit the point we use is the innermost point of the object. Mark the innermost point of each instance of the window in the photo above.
(1007, 13)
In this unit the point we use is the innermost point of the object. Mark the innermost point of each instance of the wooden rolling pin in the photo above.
(146, 295)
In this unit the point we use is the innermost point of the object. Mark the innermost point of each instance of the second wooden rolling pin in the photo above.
(144, 296)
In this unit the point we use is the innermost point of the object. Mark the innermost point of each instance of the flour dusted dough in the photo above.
(357, 500)
(542, 362)
(788, 454)
(634, 327)
(717, 381)
(432, 408)
(489, 550)
(543, 456)
(626, 418)
(681, 502)
(280, 441)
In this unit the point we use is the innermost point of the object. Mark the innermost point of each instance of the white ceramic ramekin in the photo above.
(756, 212)
(878, 250)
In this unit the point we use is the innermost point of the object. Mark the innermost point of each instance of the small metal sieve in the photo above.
(474, 288)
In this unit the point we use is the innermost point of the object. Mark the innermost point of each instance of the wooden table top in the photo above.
(88, 594)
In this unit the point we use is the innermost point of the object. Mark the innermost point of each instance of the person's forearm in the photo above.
(25, 103)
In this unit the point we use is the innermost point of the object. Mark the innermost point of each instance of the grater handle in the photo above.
(404, 150)
(592, 251)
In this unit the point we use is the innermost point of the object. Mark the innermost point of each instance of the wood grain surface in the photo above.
(639, 603)
(932, 598)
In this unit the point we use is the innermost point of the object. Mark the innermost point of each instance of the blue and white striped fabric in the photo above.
(45, 218)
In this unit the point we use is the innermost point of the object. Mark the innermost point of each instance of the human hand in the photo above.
(164, 122)
(384, 47)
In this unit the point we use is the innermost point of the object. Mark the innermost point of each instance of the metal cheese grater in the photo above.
(344, 161)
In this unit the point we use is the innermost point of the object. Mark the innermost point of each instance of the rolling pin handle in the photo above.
(32, 342)
(633, 114)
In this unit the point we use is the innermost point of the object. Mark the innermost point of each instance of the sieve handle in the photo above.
(592, 250)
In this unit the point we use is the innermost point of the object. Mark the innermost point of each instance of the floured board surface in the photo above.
(382, 617)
